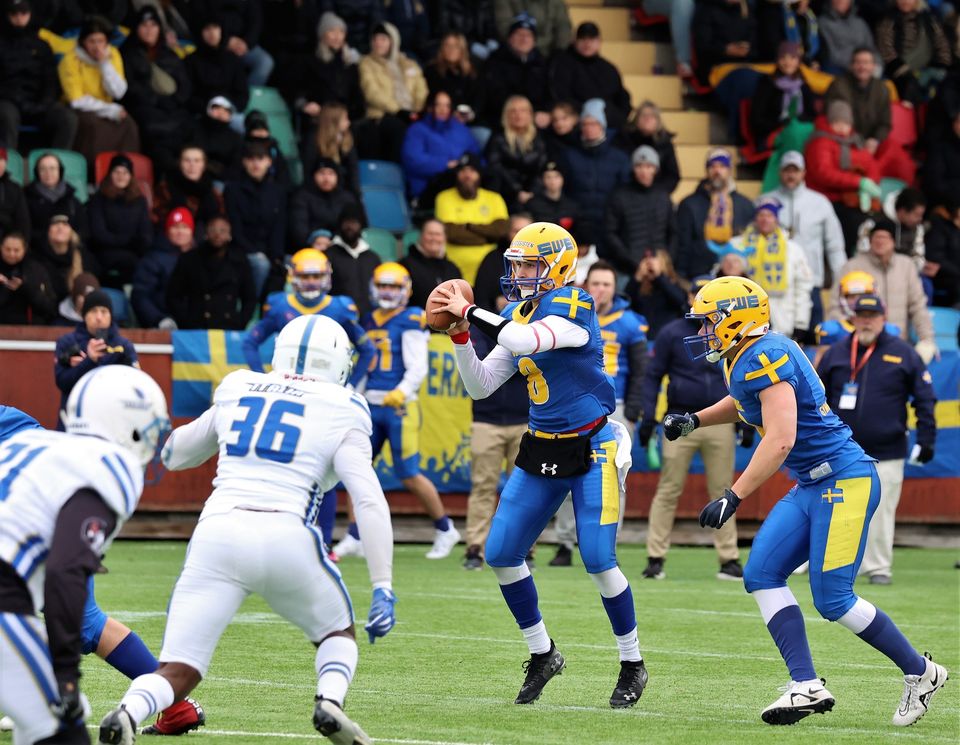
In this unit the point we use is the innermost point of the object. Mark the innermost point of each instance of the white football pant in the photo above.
(27, 685)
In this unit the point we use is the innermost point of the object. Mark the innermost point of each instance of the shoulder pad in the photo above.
(765, 364)
(416, 317)
(572, 303)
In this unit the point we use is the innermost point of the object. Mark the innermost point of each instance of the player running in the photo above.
(823, 518)
(284, 438)
(399, 336)
(549, 332)
(63, 498)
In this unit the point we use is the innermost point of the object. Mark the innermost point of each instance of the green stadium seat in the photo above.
(281, 128)
(408, 239)
(268, 100)
(15, 166)
(74, 168)
(382, 242)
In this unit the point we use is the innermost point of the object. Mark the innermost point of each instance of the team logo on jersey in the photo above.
(548, 469)
(832, 496)
(94, 534)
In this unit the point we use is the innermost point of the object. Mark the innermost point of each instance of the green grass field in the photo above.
(448, 673)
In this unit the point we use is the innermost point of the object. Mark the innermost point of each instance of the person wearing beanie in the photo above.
(150, 280)
(320, 239)
(218, 137)
(93, 82)
(215, 71)
(351, 260)
(28, 90)
(782, 96)
(792, 23)
(645, 127)
(120, 227)
(517, 68)
(550, 19)
(332, 75)
(241, 25)
(317, 204)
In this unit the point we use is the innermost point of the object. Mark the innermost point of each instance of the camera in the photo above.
(66, 354)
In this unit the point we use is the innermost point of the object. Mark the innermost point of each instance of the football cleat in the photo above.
(443, 543)
(917, 692)
(473, 560)
(182, 717)
(348, 546)
(799, 700)
(6, 724)
(880, 579)
(731, 571)
(633, 679)
(330, 721)
(539, 668)
(654, 569)
(118, 728)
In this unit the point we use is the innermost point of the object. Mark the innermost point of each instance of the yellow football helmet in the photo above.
(852, 284)
(310, 274)
(730, 308)
(553, 251)
(390, 286)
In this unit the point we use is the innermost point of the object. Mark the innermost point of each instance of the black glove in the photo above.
(631, 413)
(745, 435)
(69, 709)
(647, 426)
(715, 514)
(805, 337)
(679, 425)
(925, 455)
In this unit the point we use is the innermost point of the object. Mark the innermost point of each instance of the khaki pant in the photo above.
(490, 445)
(716, 446)
(878, 554)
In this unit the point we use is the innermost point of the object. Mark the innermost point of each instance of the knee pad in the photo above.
(611, 582)
(509, 575)
(94, 620)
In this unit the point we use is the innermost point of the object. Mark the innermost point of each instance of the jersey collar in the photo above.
(381, 316)
(307, 310)
(729, 364)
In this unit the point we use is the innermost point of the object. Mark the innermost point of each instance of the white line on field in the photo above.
(291, 736)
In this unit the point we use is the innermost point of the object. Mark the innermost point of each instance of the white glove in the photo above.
(927, 350)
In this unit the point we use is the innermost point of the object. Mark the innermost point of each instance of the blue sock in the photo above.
(327, 516)
(522, 600)
(354, 531)
(443, 524)
(620, 611)
(883, 635)
(132, 658)
(788, 631)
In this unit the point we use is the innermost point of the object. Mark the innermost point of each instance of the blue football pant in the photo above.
(402, 431)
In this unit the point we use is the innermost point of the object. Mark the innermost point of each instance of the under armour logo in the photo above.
(548, 469)
(629, 696)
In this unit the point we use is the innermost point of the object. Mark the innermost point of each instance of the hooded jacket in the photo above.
(592, 173)
(215, 71)
(576, 78)
(377, 82)
(257, 212)
(429, 145)
(840, 35)
(352, 270)
(824, 170)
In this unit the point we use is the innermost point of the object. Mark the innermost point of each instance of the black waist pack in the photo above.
(556, 458)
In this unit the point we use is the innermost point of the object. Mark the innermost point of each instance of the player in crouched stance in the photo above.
(550, 333)
(823, 518)
(284, 438)
(63, 497)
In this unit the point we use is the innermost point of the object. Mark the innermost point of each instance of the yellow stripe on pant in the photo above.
(847, 522)
(609, 485)
(410, 430)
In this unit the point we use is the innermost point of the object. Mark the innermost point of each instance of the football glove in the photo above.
(679, 425)
(717, 512)
(647, 426)
(70, 708)
(381, 618)
(395, 398)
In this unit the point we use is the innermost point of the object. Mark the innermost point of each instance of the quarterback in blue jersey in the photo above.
(550, 334)
(310, 277)
(398, 332)
(823, 518)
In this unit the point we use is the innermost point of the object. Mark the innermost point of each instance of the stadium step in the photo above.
(635, 57)
(664, 90)
(691, 159)
(614, 23)
(690, 127)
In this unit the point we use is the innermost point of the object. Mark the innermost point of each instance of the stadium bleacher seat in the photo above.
(665, 90)
(382, 242)
(690, 127)
(142, 166)
(408, 239)
(753, 151)
(630, 57)
(387, 209)
(691, 159)
(74, 168)
(946, 322)
(15, 166)
(381, 174)
(268, 100)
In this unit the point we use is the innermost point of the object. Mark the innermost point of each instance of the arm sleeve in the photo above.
(551, 332)
(365, 349)
(192, 444)
(111, 71)
(83, 525)
(66, 376)
(254, 338)
(483, 377)
(633, 403)
(353, 463)
(924, 402)
(414, 349)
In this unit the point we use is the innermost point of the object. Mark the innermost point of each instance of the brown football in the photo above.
(443, 320)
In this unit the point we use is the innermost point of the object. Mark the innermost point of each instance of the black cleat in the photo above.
(539, 668)
(563, 558)
(633, 679)
(654, 569)
(731, 571)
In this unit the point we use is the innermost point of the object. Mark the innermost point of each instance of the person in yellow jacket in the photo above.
(92, 79)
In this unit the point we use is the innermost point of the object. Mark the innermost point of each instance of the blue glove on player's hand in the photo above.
(679, 425)
(716, 513)
(381, 618)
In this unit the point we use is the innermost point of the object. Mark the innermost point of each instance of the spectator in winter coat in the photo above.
(361, 18)
(93, 83)
(120, 229)
(70, 309)
(215, 71)
(317, 204)
(427, 262)
(839, 164)
(217, 138)
(579, 73)
(794, 22)
(941, 173)
(552, 18)
(517, 68)
(290, 35)
(63, 254)
(474, 19)
(645, 127)
(410, 18)
(562, 133)
(28, 82)
(14, 213)
(48, 195)
(516, 154)
(433, 145)
(782, 96)
(550, 204)
(594, 170)
(351, 260)
(332, 75)
(914, 49)
(333, 140)
(150, 280)
(639, 216)
(943, 254)
(714, 213)
(842, 32)
(723, 31)
(211, 287)
(655, 291)
(188, 185)
(26, 295)
(453, 71)
(242, 23)
(257, 129)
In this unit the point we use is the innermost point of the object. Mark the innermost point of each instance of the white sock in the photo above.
(146, 696)
(859, 616)
(629, 646)
(336, 662)
(538, 640)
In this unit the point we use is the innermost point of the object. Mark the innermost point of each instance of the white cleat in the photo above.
(6, 724)
(917, 692)
(330, 721)
(348, 546)
(443, 543)
(799, 700)
(118, 728)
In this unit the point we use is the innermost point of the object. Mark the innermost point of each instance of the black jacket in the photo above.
(207, 291)
(893, 376)
(510, 403)
(638, 218)
(563, 211)
(242, 18)
(509, 171)
(223, 146)
(694, 385)
(472, 18)
(486, 287)
(120, 351)
(59, 266)
(257, 212)
(351, 276)
(941, 173)
(576, 78)
(766, 109)
(361, 17)
(692, 256)
(14, 214)
(461, 88)
(668, 175)
(717, 23)
(119, 225)
(199, 197)
(333, 82)
(312, 209)
(507, 75)
(42, 209)
(665, 302)
(34, 302)
(426, 273)
(216, 72)
(150, 281)
(942, 245)
(28, 72)
(154, 112)
(592, 173)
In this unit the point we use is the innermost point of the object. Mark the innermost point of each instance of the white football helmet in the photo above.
(315, 347)
(120, 404)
